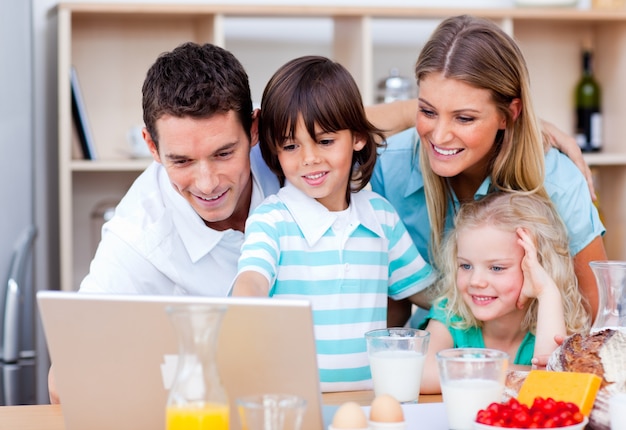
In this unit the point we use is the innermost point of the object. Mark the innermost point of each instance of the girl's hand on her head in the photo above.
(535, 276)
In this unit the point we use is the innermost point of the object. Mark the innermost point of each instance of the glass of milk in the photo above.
(396, 357)
(617, 411)
(471, 379)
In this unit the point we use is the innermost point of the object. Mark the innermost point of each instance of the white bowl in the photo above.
(579, 426)
(330, 427)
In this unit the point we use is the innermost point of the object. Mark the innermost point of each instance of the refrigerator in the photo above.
(18, 232)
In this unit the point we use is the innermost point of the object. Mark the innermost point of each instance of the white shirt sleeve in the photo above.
(118, 268)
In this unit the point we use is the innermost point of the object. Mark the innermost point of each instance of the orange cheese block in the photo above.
(578, 388)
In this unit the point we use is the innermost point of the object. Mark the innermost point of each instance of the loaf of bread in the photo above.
(602, 353)
(514, 381)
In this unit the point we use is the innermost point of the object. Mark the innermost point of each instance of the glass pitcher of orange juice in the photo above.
(197, 399)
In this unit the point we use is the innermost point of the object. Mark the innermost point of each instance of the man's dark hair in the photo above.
(197, 81)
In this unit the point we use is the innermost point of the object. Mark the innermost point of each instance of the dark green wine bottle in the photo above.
(588, 114)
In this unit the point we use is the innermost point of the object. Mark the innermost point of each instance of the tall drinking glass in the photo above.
(471, 379)
(396, 358)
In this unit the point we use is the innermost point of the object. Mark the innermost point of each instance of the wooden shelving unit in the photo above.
(113, 45)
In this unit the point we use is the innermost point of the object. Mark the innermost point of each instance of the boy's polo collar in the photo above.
(314, 219)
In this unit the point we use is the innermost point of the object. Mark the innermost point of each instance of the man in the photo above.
(179, 228)
(202, 132)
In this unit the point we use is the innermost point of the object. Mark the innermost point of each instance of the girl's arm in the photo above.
(440, 339)
(251, 283)
(538, 284)
(586, 280)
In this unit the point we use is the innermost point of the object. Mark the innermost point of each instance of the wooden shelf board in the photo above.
(122, 165)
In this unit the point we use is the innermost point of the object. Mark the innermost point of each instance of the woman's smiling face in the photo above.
(459, 124)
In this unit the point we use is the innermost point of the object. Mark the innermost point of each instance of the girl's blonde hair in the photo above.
(478, 52)
(508, 211)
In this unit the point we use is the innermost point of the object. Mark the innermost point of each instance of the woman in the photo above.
(478, 133)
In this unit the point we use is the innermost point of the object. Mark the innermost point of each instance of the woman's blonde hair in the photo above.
(478, 52)
(508, 211)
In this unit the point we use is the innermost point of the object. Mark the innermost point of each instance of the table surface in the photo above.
(50, 417)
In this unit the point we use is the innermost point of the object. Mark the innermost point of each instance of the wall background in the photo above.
(318, 32)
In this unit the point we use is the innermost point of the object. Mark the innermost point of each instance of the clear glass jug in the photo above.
(610, 277)
(197, 399)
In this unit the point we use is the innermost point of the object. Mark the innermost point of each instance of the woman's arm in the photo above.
(440, 339)
(393, 117)
(586, 280)
(398, 312)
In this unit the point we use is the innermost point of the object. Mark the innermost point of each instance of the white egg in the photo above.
(350, 415)
(386, 409)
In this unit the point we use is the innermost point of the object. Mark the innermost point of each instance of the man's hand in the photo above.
(52, 389)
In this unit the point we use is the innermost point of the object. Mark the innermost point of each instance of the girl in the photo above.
(504, 245)
(323, 237)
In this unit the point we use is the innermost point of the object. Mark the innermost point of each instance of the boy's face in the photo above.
(208, 163)
(320, 167)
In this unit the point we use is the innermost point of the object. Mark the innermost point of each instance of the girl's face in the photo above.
(489, 273)
(320, 167)
(458, 123)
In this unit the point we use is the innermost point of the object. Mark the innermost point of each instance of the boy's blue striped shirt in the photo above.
(346, 266)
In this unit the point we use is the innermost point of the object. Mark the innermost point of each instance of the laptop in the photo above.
(109, 352)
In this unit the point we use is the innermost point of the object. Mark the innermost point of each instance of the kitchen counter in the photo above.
(50, 417)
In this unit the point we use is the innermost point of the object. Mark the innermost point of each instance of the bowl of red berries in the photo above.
(544, 413)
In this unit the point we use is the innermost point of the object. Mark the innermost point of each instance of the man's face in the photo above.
(208, 163)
